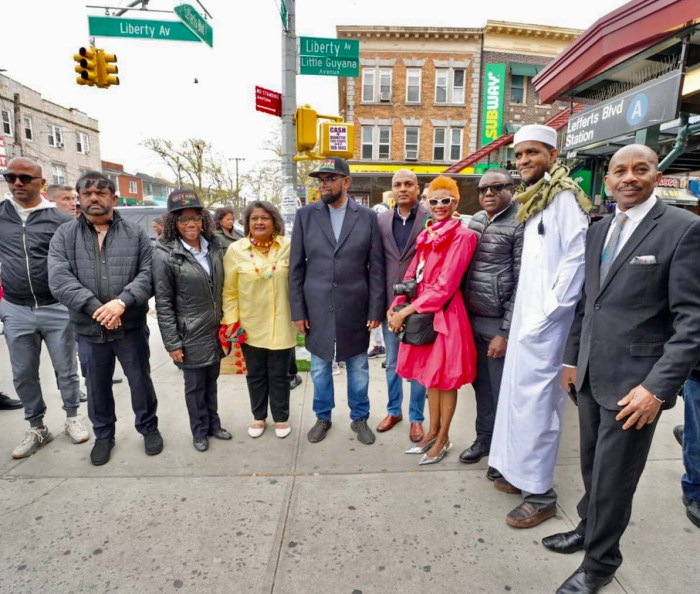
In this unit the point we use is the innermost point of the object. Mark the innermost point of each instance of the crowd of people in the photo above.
(527, 303)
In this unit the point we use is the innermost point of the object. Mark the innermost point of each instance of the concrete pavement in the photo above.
(286, 516)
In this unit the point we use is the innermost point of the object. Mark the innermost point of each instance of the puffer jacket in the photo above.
(74, 265)
(188, 301)
(23, 252)
(490, 283)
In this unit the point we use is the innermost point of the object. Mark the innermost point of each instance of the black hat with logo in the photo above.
(332, 165)
(180, 199)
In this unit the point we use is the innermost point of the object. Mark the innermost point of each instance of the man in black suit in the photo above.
(336, 293)
(634, 341)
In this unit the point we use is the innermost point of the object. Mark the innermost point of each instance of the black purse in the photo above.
(418, 328)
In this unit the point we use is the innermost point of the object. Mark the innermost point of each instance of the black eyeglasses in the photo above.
(331, 179)
(100, 184)
(443, 201)
(184, 219)
(495, 188)
(25, 178)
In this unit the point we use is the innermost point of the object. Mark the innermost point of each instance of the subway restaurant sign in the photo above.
(494, 92)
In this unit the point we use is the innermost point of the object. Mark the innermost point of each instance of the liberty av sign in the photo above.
(654, 102)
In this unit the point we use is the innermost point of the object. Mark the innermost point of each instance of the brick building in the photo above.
(129, 187)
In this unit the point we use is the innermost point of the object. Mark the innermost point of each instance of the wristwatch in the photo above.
(120, 302)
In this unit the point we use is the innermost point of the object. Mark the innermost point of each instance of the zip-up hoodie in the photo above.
(24, 247)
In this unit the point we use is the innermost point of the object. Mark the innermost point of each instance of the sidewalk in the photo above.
(287, 516)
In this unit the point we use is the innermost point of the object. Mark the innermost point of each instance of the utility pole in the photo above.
(237, 202)
(18, 124)
(289, 105)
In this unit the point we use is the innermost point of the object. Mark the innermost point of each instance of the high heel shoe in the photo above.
(428, 460)
(420, 449)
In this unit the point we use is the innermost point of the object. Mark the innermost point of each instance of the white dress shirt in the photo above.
(635, 216)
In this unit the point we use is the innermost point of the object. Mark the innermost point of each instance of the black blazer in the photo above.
(643, 325)
(337, 286)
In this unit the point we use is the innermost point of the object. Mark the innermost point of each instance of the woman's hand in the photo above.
(395, 320)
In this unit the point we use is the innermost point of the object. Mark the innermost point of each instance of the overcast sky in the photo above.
(157, 95)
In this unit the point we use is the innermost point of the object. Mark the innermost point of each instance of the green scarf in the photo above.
(537, 197)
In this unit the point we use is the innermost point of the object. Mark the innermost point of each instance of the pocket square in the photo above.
(643, 260)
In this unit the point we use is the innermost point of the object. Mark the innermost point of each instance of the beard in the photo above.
(331, 198)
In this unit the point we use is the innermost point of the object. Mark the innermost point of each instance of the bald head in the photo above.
(404, 188)
(633, 173)
(25, 181)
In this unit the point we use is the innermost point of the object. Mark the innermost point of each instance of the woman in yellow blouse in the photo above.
(256, 294)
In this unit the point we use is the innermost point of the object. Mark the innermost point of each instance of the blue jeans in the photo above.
(691, 440)
(357, 369)
(394, 383)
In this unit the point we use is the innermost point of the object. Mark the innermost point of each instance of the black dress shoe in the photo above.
(583, 582)
(220, 434)
(564, 542)
(474, 453)
(678, 434)
(492, 474)
(201, 444)
(7, 403)
(294, 381)
(153, 443)
(692, 510)
(319, 430)
(101, 451)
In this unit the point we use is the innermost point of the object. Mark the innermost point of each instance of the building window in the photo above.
(59, 174)
(6, 122)
(449, 85)
(411, 141)
(133, 187)
(82, 143)
(413, 83)
(447, 144)
(518, 84)
(373, 92)
(55, 136)
(28, 130)
(376, 142)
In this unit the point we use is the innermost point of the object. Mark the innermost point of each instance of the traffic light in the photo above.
(86, 66)
(106, 69)
(307, 134)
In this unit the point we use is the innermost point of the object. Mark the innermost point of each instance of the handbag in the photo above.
(418, 328)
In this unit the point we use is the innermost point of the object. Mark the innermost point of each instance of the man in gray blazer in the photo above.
(634, 341)
(399, 229)
(336, 292)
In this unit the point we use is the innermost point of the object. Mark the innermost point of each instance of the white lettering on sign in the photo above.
(313, 46)
(142, 30)
(493, 97)
(338, 138)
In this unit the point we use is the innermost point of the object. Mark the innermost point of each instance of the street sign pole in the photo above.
(289, 105)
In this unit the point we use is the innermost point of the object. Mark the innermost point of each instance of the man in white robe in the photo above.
(531, 402)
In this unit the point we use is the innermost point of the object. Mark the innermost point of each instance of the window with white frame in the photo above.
(518, 86)
(28, 129)
(133, 187)
(7, 122)
(411, 142)
(82, 143)
(59, 174)
(413, 84)
(376, 85)
(55, 136)
(447, 144)
(376, 142)
(449, 85)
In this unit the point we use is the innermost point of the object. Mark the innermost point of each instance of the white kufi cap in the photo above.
(537, 132)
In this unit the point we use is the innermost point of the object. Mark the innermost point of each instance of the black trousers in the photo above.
(612, 462)
(268, 381)
(489, 372)
(134, 354)
(201, 399)
(293, 369)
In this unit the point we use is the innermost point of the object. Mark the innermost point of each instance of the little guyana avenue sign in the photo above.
(329, 57)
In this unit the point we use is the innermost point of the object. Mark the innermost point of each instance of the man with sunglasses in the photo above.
(489, 293)
(100, 268)
(30, 313)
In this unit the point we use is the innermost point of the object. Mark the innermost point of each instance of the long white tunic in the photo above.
(531, 403)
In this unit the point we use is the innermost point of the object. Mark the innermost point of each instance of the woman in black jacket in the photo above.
(188, 277)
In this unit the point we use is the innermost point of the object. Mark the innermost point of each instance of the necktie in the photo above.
(608, 255)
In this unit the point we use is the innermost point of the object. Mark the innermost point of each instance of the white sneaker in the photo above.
(76, 430)
(33, 440)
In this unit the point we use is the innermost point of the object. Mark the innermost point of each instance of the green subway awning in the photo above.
(524, 69)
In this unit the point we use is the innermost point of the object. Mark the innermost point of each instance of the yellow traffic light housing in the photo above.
(106, 69)
(307, 124)
(337, 140)
(86, 66)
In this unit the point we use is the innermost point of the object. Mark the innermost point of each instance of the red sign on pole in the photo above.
(268, 101)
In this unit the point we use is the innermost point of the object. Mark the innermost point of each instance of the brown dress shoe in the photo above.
(504, 486)
(388, 422)
(416, 432)
(527, 515)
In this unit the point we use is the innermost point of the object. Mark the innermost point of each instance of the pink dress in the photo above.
(449, 362)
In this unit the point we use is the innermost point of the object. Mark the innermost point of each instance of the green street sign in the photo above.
(322, 56)
(283, 14)
(140, 29)
(196, 23)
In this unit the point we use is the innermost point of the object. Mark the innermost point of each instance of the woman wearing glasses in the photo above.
(188, 278)
(444, 250)
(256, 296)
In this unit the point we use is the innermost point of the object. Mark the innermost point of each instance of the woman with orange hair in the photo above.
(444, 250)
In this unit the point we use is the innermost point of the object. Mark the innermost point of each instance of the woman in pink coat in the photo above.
(444, 250)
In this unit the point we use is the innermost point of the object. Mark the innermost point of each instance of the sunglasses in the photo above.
(495, 188)
(184, 219)
(443, 201)
(100, 184)
(25, 178)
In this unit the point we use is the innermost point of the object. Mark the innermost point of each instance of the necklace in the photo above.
(261, 275)
(261, 244)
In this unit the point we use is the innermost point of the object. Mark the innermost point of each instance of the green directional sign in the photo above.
(140, 29)
(196, 23)
(329, 57)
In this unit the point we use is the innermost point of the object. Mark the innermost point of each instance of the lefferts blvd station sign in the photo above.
(654, 102)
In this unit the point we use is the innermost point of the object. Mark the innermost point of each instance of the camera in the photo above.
(409, 288)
